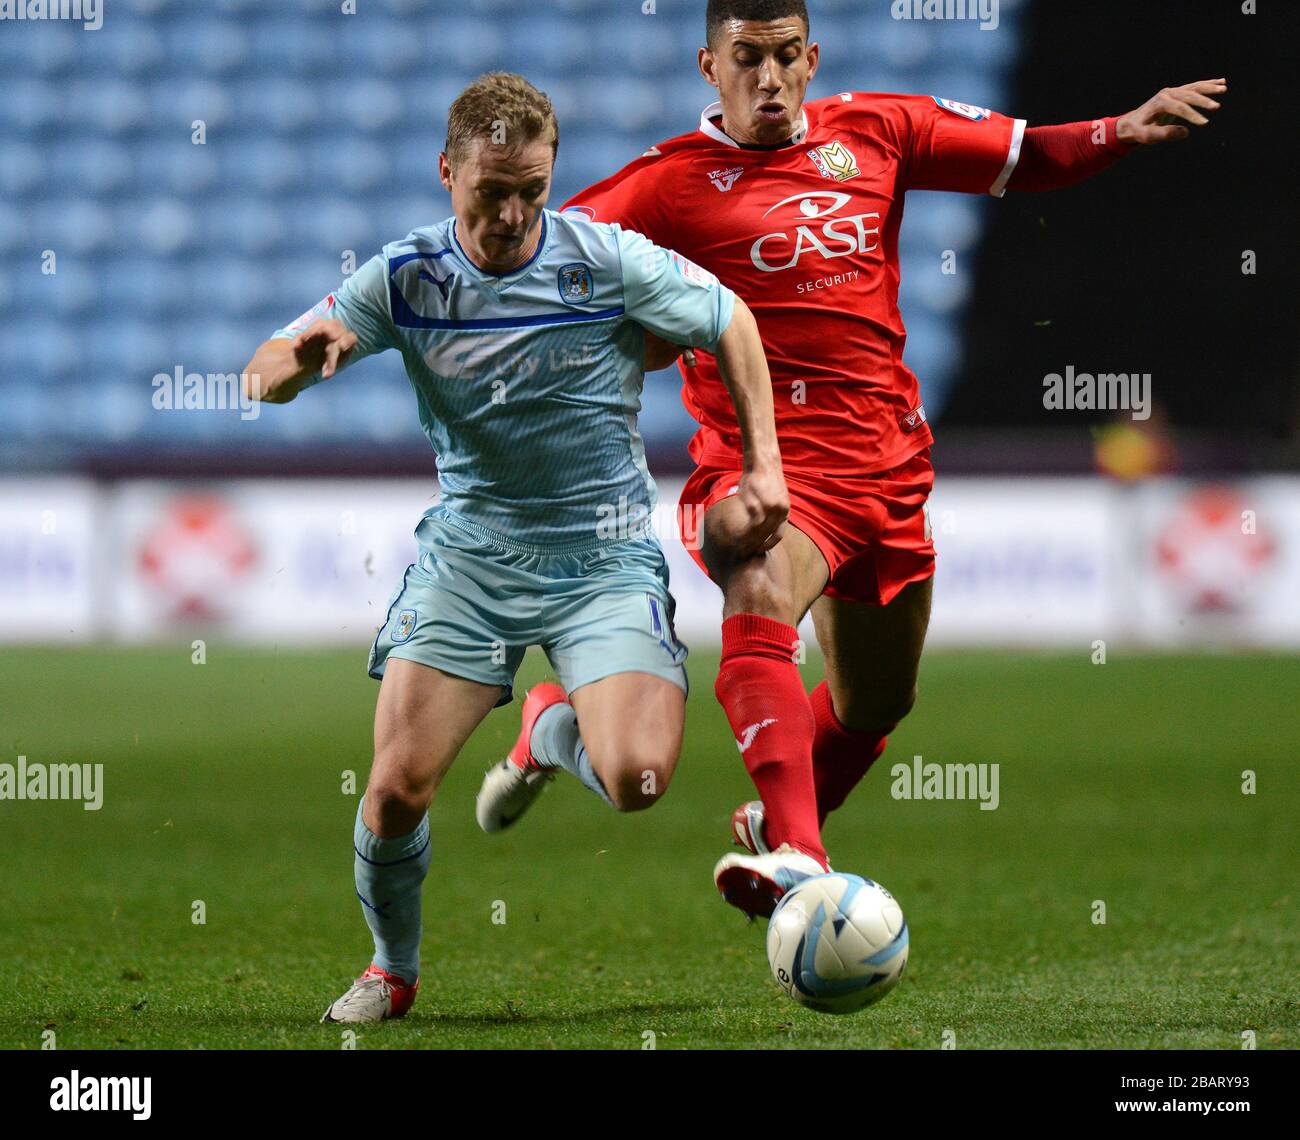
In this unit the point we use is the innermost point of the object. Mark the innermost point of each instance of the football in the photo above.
(837, 943)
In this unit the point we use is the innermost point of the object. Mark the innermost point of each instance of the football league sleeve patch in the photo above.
(321, 311)
(671, 296)
(361, 303)
(960, 146)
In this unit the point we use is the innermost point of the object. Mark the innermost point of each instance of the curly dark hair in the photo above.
(720, 11)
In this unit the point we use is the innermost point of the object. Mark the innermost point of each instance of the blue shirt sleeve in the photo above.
(362, 304)
(672, 296)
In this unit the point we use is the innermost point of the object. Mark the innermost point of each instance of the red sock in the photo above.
(760, 690)
(841, 756)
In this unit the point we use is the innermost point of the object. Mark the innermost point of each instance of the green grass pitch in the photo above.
(223, 783)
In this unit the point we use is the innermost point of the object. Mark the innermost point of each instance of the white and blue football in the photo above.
(837, 943)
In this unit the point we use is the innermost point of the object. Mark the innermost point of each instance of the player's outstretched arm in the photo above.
(1169, 115)
(1054, 157)
(764, 502)
(280, 366)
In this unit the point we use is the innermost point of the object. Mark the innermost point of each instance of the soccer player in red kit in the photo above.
(797, 207)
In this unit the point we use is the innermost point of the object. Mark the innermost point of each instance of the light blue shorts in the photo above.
(473, 602)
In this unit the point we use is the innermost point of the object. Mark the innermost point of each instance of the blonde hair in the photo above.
(504, 108)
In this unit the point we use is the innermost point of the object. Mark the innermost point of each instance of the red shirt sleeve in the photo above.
(1057, 156)
(956, 146)
(632, 198)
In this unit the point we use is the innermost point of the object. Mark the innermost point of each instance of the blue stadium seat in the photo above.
(943, 221)
(76, 225)
(216, 47)
(164, 226)
(542, 41)
(33, 104)
(76, 288)
(46, 348)
(261, 163)
(407, 10)
(291, 43)
(245, 225)
(329, 223)
(467, 46)
(234, 286)
(591, 155)
(25, 169)
(49, 50)
(140, 347)
(323, 132)
(286, 105)
(146, 9)
(176, 103)
(128, 48)
(15, 228)
(489, 10)
(626, 41)
(297, 285)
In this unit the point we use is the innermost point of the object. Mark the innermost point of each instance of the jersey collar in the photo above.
(717, 134)
(504, 279)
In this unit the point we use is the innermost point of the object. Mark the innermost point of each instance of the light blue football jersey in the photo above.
(528, 385)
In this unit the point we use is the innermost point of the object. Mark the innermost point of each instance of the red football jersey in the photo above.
(807, 235)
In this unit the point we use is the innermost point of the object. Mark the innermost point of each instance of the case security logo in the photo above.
(821, 230)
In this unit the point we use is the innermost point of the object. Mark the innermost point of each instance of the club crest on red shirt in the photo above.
(835, 161)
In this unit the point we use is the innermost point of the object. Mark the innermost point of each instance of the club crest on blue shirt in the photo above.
(575, 284)
(405, 626)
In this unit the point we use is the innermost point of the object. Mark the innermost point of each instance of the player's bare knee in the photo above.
(905, 705)
(394, 796)
(639, 781)
(750, 589)
(876, 712)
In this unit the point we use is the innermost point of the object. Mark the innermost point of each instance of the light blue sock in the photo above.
(556, 744)
(389, 874)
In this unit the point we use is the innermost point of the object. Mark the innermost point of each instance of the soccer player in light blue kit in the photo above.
(523, 333)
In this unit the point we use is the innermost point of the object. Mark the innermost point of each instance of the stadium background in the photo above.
(264, 549)
(320, 133)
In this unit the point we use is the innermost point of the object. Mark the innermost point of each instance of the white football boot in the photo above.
(509, 788)
(375, 996)
(756, 883)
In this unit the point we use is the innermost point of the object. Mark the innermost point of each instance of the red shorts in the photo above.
(873, 530)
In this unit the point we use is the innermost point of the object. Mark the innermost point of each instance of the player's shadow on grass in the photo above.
(512, 1016)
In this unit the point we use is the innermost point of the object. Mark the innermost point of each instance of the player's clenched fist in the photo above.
(280, 367)
(753, 519)
(324, 346)
(1168, 114)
